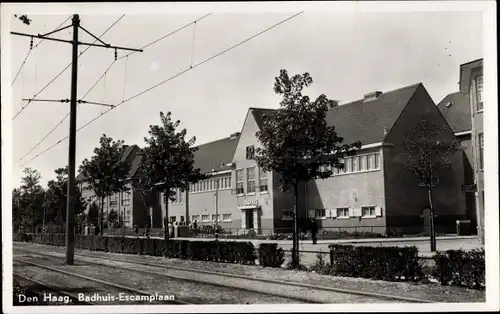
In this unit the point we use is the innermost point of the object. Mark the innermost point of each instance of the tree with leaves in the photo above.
(106, 173)
(57, 196)
(93, 214)
(32, 195)
(24, 18)
(297, 143)
(19, 210)
(427, 151)
(113, 218)
(167, 161)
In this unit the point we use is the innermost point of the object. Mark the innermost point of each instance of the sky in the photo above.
(347, 54)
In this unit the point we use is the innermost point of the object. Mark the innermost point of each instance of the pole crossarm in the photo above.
(78, 42)
(95, 37)
(46, 100)
(55, 31)
(94, 103)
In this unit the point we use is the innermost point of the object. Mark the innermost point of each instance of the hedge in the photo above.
(270, 255)
(216, 251)
(461, 268)
(380, 263)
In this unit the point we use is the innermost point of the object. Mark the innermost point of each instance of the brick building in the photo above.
(374, 193)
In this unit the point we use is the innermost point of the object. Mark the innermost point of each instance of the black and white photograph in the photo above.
(227, 157)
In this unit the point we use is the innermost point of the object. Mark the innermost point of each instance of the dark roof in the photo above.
(216, 155)
(458, 113)
(127, 156)
(258, 114)
(363, 121)
(366, 121)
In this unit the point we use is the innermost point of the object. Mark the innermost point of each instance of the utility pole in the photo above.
(216, 208)
(70, 219)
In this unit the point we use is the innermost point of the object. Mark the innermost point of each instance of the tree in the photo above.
(167, 161)
(32, 196)
(93, 214)
(296, 141)
(24, 19)
(106, 173)
(19, 212)
(426, 152)
(56, 198)
(113, 218)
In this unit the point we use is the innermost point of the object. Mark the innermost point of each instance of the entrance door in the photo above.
(249, 218)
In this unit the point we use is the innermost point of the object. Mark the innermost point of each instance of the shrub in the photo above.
(381, 263)
(116, 244)
(461, 268)
(148, 246)
(270, 255)
(131, 245)
(100, 244)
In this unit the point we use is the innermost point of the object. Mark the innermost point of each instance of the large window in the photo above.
(358, 164)
(172, 218)
(479, 89)
(368, 211)
(287, 214)
(205, 218)
(226, 217)
(262, 181)
(320, 213)
(125, 198)
(481, 150)
(342, 212)
(240, 180)
(251, 180)
(195, 218)
(215, 217)
(113, 200)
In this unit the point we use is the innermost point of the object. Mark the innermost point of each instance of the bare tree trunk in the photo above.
(167, 229)
(295, 242)
(101, 219)
(431, 221)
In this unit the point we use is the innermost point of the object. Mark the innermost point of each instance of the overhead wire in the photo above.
(105, 72)
(169, 79)
(29, 52)
(64, 69)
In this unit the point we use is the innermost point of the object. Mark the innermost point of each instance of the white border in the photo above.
(491, 139)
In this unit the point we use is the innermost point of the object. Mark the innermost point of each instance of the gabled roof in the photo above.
(456, 110)
(258, 114)
(363, 121)
(127, 156)
(216, 155)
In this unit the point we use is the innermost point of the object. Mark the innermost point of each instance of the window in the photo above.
(125, 198)
(251, 180)
(356, 164)
(287, 214)
(250, 152)
(229, 182)
(376, 161)
(215, 217)
(370, 162)
(239, 181)
(211, 185)
(195, 218)
(342, 212)
(172, 218)
(226, 217)
(362, 163)
(320, 213)
(348, 165)
(205, 218)
(479, 91)
(262, 181)
(481, 151)
(113, 200)
(182, 218)
(178, 197)
(368, 211)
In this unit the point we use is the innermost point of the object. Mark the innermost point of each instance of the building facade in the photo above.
(134, 207)
(471, 84)
(374, 193)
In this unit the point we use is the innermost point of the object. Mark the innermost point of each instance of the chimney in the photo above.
(371, 96)
(124, 147)
(333, 103)
(234, 135)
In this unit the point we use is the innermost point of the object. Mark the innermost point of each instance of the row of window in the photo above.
(479, 92)
(342, 212)
(357, 164)
(211, 218)
(113, 200)
(251, 181)
(481, 150)
(211, 185)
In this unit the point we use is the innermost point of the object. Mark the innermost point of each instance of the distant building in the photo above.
(134, 207)
(375, 193)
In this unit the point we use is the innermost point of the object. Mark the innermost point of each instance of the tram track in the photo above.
(164, 270)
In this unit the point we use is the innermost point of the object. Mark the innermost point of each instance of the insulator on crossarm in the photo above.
(31, 43)
(116, 54)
